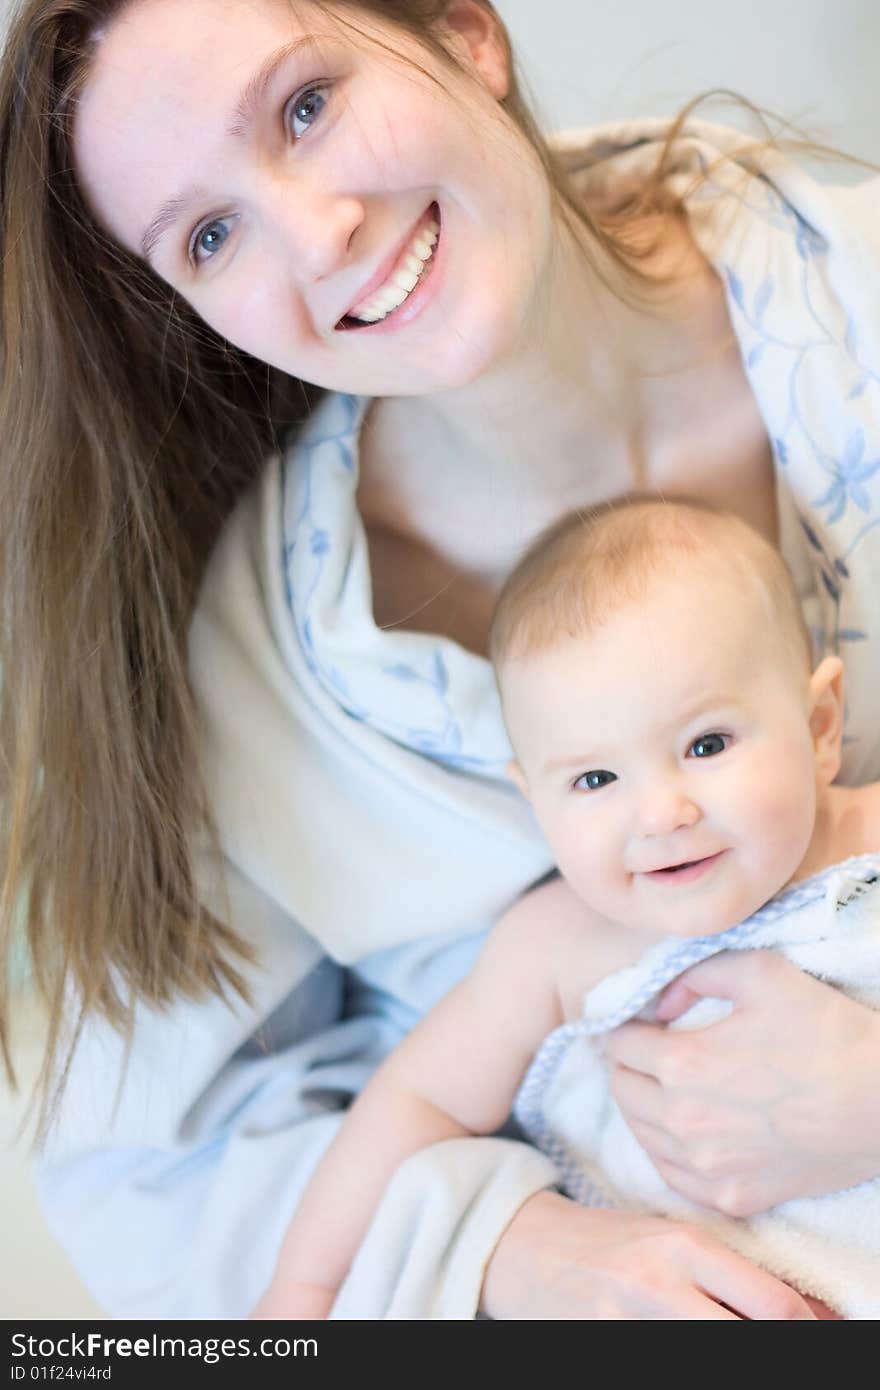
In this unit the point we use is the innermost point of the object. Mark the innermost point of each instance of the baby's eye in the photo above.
(592, 781)
(709, 745)
(307, 106)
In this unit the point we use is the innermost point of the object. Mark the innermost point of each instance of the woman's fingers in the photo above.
(644, 1106)
(751, 1293)
(778, 1100)
(822, 1311)
(652, 1050)
(660, 1146)
(675, 1000)
(639, 1096)
(698, 1307)
(728, 1196)
(711, 1183)
(731, 975)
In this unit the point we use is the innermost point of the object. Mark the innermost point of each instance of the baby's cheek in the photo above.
(575, 861)
(784, 815)
(592, 868)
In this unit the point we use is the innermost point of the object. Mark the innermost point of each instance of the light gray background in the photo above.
(586, 60)
(812, 61)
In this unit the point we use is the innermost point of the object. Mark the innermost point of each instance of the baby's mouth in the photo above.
(686, 867)
(410, 269)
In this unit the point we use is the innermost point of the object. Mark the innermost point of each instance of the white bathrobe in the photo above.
(370, 836)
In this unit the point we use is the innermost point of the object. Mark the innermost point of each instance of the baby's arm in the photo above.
(456, 1073)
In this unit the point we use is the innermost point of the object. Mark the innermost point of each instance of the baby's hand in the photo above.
(293, 1301)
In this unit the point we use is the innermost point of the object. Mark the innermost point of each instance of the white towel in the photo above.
(825, 1246)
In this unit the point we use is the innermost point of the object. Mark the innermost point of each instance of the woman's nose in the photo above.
(663, 809)
(313, 228)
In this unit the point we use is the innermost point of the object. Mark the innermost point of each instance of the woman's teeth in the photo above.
(403, 279)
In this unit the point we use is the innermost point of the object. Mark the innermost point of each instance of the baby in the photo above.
(679, 751)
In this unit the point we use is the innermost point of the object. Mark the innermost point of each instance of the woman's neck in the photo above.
(601, 398)
(588, 364)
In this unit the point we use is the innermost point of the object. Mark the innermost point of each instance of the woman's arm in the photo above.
(777, 1101)
(192, 1150)
(456, 1073)
(553, 1259)
(196, 1163)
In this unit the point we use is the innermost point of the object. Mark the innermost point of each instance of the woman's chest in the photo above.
(438, 562)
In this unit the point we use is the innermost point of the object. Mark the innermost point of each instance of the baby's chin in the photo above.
(704, 904)
(704, 913)
(690, 924)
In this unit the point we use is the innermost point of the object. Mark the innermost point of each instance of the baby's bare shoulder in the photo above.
(549, 915)
(553, 933)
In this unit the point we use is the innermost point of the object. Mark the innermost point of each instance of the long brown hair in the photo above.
(128, 428)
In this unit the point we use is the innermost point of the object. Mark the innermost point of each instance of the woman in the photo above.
(354, 195)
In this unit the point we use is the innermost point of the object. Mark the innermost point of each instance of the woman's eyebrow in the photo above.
(245, 110)
(240, 123)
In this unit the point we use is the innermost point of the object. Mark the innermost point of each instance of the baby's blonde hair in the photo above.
(589, 565)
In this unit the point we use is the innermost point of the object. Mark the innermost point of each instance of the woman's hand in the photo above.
(779, 1100)
(560, 1261)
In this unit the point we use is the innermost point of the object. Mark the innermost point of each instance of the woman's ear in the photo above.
(826, 716)
(482, 33)
(517, 776)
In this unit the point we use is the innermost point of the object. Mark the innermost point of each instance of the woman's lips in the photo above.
(386, 269)
(427, 288)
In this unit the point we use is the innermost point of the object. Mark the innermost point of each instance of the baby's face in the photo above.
(669, 759)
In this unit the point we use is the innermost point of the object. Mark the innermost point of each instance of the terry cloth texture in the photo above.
(826, 1246)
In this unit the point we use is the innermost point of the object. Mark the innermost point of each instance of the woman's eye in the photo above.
(592, 781)
(200, 241)
(708, 745)
(307, 106)
(302, 111)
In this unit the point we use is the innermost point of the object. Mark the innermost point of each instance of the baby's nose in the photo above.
(662, 810)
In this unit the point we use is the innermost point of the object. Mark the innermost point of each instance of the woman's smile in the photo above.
(397, 278)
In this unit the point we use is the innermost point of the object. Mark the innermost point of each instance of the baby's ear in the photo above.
(826, 716)
(517, 776)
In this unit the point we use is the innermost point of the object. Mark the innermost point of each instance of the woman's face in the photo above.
(309, 210)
